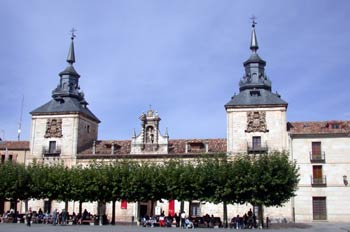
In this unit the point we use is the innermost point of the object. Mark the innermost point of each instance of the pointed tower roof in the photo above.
(70, 60)
(67, 97)
(253, 41)
(71, 55)
(255, 87)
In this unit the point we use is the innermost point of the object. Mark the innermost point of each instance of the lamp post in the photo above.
(345, 180)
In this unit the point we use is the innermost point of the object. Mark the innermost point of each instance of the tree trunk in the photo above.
(26, 205)
(261, 216)
(152, 208)
(113, 213)
(15, 208)
(80, 207)
(66, 206)
(225, 214)
(182, 206)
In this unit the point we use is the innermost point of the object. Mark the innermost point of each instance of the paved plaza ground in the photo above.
(319, 227)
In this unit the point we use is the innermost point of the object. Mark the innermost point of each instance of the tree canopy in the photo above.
(268, 180)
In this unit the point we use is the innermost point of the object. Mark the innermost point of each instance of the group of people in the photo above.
(45, 218)
(9, 216)
(247, 221)
(160, 220)
(178, 220)
(56, 217)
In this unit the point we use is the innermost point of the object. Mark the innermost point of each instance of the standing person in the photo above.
(177, 220)
(29, 215)
(183, 219)
(64, 217)
(54, 217)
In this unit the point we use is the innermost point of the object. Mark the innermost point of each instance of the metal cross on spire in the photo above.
(72, 31)
(253, 18)
(253, 42)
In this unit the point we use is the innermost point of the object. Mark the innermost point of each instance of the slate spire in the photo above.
(255, 86)
(67, 96)
(69, 78)
(71, 54)
(253, 41)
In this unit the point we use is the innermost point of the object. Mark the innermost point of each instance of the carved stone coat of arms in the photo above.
(256, 121)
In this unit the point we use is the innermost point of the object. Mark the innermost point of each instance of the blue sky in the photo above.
(183, 57)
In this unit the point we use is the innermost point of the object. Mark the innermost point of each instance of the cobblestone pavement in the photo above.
(319, 227)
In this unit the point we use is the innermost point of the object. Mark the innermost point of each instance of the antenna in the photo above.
(20, 121)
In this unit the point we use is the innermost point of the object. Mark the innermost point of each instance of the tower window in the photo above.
(52, 147)
(256, 142)
(88, 129)
(255, 93)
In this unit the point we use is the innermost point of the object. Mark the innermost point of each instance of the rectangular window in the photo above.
(316, 148)
(124, 204)
(195, 209)
(256, 142)
(2, 159)
(319, 208)
(318, 179)
(317, 171)
(52, 147)
(335, 126)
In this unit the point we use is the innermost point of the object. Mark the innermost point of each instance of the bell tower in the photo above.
(256, 117)
(150, 141)
(64, 125)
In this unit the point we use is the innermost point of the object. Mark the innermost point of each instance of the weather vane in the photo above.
(253, 18)
(72, 31)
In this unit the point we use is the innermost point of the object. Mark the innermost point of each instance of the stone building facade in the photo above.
(64, 129)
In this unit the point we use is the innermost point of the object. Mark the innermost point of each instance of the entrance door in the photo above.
(143, 210)
(2, 205)
(319, 208)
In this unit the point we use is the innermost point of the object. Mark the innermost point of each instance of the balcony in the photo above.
(319, 181)
(50, 152)
(257, 148)
(319, 157)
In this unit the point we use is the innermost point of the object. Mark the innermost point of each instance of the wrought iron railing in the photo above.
(319, 181)
(317, 156)
(47, 152)
(254, 148)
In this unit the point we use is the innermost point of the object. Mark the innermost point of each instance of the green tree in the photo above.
(274, 180)
(15, 182)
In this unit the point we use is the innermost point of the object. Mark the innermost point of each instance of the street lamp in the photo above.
(345, 180)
